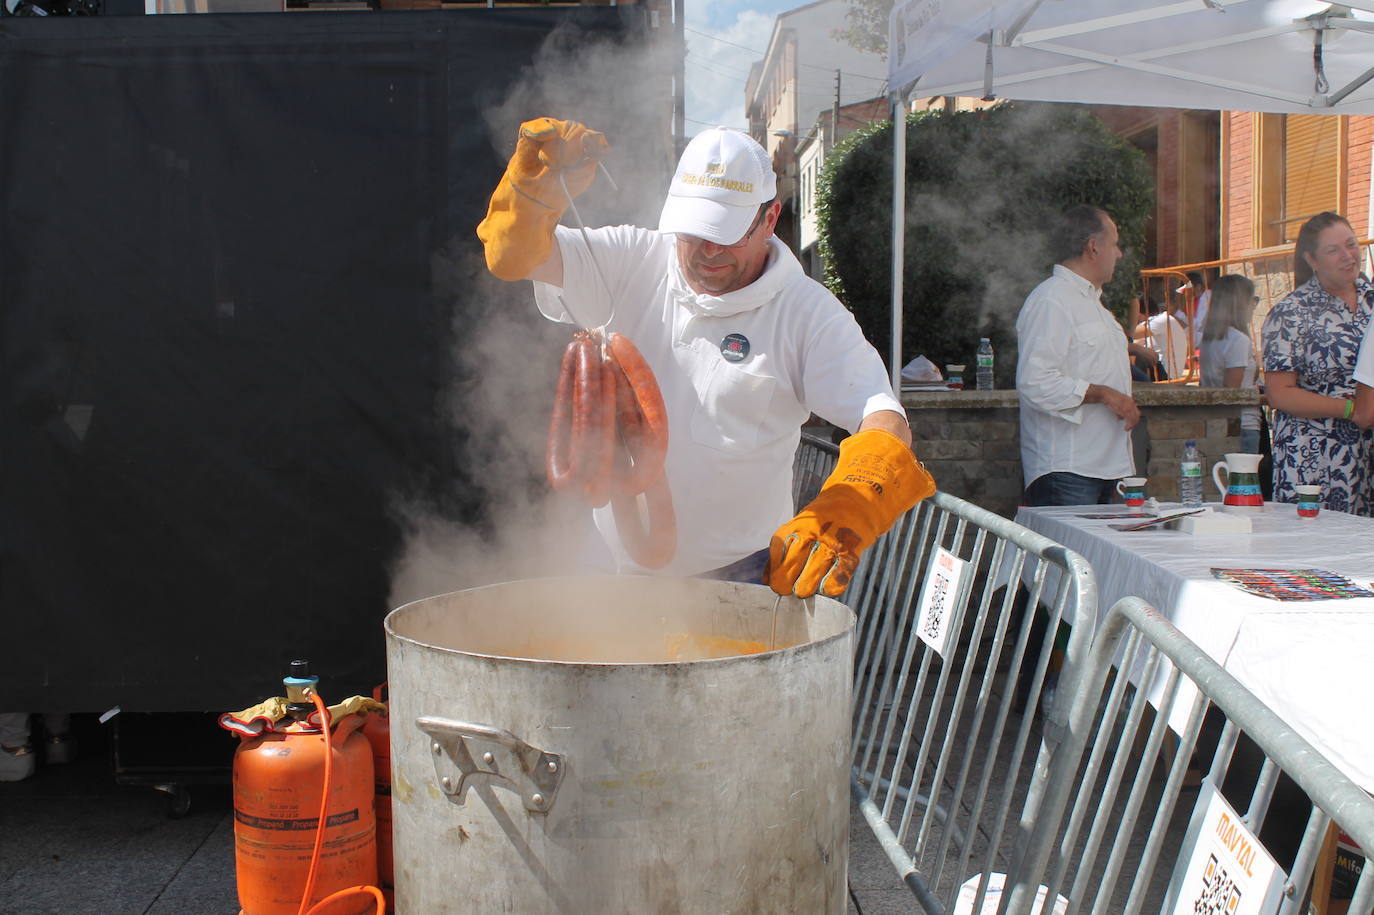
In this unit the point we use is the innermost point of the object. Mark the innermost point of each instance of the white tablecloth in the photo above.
(1311, 662)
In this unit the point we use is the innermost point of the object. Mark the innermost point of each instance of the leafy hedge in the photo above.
(983, 189)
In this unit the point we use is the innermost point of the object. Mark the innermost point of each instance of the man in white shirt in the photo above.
(1202, 298)
(1073, 374)
(1166, 335)
(744, 347)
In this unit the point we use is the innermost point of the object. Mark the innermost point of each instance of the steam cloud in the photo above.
(505, 355)
(1009, 255)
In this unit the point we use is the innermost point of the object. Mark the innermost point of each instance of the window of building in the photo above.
(1312, 169)
(1299, 168)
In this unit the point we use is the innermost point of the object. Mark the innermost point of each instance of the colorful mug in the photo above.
(1132, 489)
(1241, 491)
(954, 377)
(1309, 501)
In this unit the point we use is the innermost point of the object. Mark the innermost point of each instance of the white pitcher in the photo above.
(1241, 491)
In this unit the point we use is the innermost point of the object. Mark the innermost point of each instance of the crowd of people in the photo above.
(1314, 366)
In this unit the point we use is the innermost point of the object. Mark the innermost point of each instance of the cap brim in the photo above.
(706, 219)
(1184, 288)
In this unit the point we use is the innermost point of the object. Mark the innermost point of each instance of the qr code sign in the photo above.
(1219, 893)
(939, 603)
(1229, 871)
(938, 594)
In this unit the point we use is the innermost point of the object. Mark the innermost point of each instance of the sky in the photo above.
(724, 37)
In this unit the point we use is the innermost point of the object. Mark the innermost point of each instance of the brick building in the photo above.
(1239, 184)
(1277, 170)
(806, 75)
(1181, 149)
(811, 154)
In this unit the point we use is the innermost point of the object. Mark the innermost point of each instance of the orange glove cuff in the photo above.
(875, 481)
(517, 232)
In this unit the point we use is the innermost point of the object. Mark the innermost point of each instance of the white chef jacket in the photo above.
(1067, 341)
(733, 425)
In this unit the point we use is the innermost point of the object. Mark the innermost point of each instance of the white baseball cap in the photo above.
(722, 179)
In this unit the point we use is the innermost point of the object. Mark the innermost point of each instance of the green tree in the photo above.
(983, 190)
(866, 26)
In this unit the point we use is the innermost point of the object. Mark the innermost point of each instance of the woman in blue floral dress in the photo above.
(1311, 339)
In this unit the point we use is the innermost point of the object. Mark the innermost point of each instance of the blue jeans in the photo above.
(1250, 441)
(749, 569)
(1064, 488)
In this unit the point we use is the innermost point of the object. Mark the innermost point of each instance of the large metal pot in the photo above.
(552, 752)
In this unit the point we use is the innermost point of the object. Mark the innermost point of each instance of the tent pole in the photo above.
(1338, 96)
(898, 232)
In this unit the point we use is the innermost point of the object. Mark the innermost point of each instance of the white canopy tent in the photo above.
(1281, 56)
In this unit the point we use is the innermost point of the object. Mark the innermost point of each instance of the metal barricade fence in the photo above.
(943, 739)
(1127, 844)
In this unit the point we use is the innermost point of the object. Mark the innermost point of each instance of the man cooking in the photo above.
(744, 346)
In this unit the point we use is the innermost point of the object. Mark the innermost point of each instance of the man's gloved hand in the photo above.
(875, 481)
(527, 204)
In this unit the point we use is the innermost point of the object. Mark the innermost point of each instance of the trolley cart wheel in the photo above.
(178, 799)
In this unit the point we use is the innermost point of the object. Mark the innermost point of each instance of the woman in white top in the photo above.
(1228, 350)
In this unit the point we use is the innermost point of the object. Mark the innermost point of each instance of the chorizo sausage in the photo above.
(608, 396)
(647, 395)
(642, 463)
(600, 454)
(558, 462)
(586, 403)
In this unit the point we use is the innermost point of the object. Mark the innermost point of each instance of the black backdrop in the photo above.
(223, 349)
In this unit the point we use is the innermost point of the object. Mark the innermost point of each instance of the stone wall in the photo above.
(1174, 414)
(970, 441)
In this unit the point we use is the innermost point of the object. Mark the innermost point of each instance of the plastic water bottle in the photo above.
(984, 364)
(1190, 476)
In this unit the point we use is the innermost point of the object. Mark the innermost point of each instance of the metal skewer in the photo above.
(600, 165)
(773, 635)
(582, 227)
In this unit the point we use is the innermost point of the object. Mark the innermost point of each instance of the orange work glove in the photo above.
(529, 201)
(875, 481)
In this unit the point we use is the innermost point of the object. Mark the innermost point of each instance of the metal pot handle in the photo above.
(466, 753)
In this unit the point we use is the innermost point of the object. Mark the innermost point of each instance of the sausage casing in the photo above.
(643, 417)
(599, 454)
(643, 463)
(558, 459)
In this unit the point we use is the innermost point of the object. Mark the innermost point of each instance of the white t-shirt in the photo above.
(1364, 362)
(1169, 339)
(1068, 341)
(1233, 351)
(733, 425)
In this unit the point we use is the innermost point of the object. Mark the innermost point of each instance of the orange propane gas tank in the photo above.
(377, 730)
(278, 778)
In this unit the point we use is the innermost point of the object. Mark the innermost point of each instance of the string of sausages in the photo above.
(608, 439)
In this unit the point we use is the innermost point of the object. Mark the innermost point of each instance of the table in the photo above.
(1308, 661)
